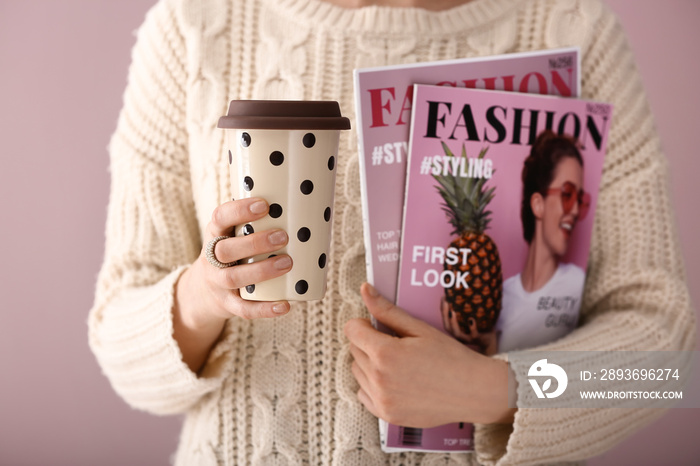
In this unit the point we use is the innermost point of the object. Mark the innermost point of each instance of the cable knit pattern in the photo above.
(280, 391)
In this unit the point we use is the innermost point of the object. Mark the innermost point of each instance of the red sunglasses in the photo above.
(569, 196)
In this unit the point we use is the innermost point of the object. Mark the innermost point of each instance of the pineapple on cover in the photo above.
(465, 205)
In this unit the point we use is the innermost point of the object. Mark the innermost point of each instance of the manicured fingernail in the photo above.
(279, 308)
(278, 237)
(283, 262)
(372, 291)
(258, 207)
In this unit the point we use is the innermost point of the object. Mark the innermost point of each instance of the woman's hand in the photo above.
(422, 377)
(206, 296)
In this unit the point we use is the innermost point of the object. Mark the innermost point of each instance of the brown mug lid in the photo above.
(284, 114)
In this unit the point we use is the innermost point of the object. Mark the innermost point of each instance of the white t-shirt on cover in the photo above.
(532, 319)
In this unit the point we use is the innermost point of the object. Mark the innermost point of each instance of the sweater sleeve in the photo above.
(152, 233)
(636, 297)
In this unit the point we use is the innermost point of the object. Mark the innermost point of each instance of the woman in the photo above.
(542, 303)
(266, 382)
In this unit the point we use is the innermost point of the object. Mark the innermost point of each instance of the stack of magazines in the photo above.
(478, 175)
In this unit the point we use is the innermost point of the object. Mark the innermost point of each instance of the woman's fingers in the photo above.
(366, 400)
(240, 276)
(236, 248)
(232, 213)
(218, 288)
(360, 364)
(359, 356)
(256, 309)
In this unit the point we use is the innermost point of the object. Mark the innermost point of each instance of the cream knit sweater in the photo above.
(280, 391)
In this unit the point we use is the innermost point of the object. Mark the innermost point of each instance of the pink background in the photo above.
(63, 73)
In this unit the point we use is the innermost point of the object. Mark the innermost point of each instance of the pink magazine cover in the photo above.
(466, 265)
(383, 106)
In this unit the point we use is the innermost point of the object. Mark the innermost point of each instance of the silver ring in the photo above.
(211, 257)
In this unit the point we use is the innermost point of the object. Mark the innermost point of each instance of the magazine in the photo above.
(477, 262)
(383, 98)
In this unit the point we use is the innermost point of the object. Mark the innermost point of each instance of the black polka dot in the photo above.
(301, 287)
(271, 256)
(248, 183)
(250, 288)
(307, 186)
(322, 261)
(331, 162)
(230, 157)
(327, 214)
(245, 139)
(303, 234)
(276, 158)
(309, 140)
(248, 229)
(275, 210)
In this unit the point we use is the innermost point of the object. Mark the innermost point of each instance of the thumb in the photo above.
(389, 314)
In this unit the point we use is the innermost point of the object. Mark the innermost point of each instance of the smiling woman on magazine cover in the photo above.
(542, 303)
(302, 383)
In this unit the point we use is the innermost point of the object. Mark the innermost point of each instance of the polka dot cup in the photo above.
(286, 152)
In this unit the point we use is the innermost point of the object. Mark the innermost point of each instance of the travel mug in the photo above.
(286, 152)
